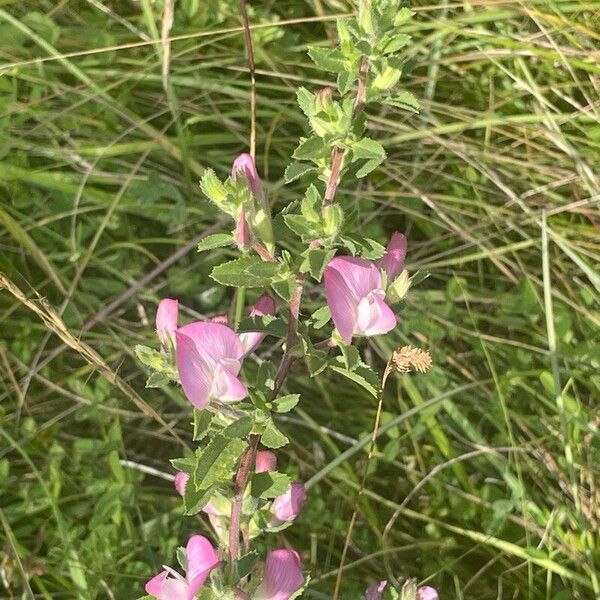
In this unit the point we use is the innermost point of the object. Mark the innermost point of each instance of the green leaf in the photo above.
(300, 226)
(306, 101)
(213, 189)
(397, 42)
(285, 403)
(320, 317)
(315, 261)
(265, 323)
(367, 148)
(269, 485)
(404, 100)
(240, 428)
(309, 148)
(202, 422)
(194, 500)
(345, 80)
(246, 563)
(327, 59)
(362, 374)
(272, 437)
(351, 357)
(310, 207)
(157, 380)
(217, 240)
(368, 167)
(297, 170)
(246, 271)
(217, 461)
(151, 358)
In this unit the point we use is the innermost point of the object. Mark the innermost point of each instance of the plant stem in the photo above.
(241, 480)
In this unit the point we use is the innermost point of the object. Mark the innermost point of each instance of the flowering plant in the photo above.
(232, 475)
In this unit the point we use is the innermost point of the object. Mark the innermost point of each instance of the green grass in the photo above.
(485, 481)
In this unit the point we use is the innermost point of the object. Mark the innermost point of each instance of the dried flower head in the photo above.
(408, 359)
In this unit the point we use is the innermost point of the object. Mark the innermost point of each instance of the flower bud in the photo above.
(265, 461)
(244, 163)
(333, 217)
(166, 320)
(398, 288)
(241, 233)
(288, 506)
(427, 593)
(409, 590)
(181, 480)
(324, 99)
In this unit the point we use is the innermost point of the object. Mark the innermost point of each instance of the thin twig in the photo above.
(251, 67)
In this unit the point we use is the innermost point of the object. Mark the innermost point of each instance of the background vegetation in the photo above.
(494, 492)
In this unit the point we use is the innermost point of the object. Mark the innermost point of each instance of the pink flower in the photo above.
(393, 259)
(244, 163)
(288, 506)
(375, 590)
(180, 482)
(265, 461)
(209, 358)
(166, 320)
(427, 593)
(201, 559)
(265, 305)
(283, 575)
(356, 298)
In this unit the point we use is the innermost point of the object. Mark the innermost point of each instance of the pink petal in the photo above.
(393, 259)
(342, 304)
(375, 590)
(283, 575)
(166, 319)
(194, 372)
(244, 163)
(201, 560)
(289, 505)
(265, 461)
(155, 585)
(226, 386)
(427, 593)
(214, 341)
(360, 276)
(180, 481)
(375, 317)
(265, 305)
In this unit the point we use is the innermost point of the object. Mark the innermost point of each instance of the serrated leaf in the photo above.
(246, 271)
(157, 380)
(397, 42)
(263, 323)
(297, 170)
(213, 188)
(310, 206)
(217, 240)
(368, 167)
(351, 357)
(367, 148)
(403, 15)
(187, 464)
(272, 437)
(404, 100)
(269, 484)
(299, 225)
(151, 358)
(194, 500)
(216, 461)
(306, 101)
(316, 259)
(327, 59)
(345, 79)
(317, 361)
(284, 404)
(362, 374)
(202, 422)
(239, 428)
(309, 148)
(321, 317)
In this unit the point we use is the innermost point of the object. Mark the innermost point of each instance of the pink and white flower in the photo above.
(427, 593)
(166, 320)
(375, 592)
(201, 559)
(355, 291)
(283, 575)
(209, 357)
(288, 506)
(265, 305)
